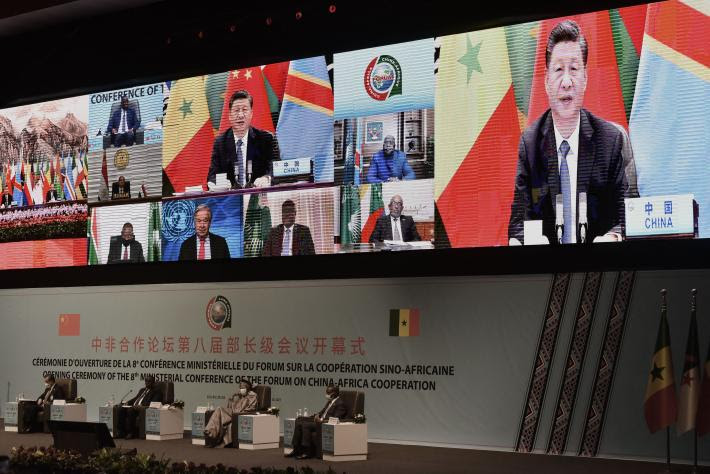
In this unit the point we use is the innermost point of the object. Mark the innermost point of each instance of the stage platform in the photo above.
(382, 458)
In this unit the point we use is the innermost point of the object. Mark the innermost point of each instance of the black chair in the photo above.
(135, 105)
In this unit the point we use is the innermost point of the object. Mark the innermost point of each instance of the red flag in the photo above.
(69, 325)
(603, 96)
(251, 80)
(276, 75)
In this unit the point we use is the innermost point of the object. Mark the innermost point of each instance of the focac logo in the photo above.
(219, 313)
(178, 220)
(383, 77)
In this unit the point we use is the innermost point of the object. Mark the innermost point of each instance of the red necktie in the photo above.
(201, 253)
(125, 252)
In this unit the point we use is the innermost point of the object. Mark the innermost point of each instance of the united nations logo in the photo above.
(383, 77)
(120, 159)
(219, 313)
(178, 220)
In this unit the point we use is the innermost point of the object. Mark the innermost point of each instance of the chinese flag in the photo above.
(251, 80)
(69, 325)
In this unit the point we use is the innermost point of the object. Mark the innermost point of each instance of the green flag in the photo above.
(257, 226)
(350, 222)
(154, 223)
(91, 230)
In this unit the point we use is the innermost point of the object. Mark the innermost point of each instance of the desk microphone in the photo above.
(582, 217)
(123, 397)
(248, 176)
(559, 217)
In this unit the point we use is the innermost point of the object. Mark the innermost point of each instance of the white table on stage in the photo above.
(258, 431)
(68, 412)
(163, 423)
(344, 441)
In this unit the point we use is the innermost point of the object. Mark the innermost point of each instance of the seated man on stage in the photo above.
(218, 432)
(128, 413)
(38, 413)
(304, 446)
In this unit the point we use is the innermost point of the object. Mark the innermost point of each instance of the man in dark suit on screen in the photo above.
(306, 428)
(125, 248)
(569, 151)
(123, 124)
(121, 189)
(289, 238)
(395, 225)
(129, 411)
(6, 200)
(203, 244)
(243, 152)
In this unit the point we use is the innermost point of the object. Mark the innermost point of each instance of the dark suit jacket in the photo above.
(115, 251)
(262, 149)
(115, 121)
(126, 190)
(51, 194)
(302, 243)
(600, 173)
(57, 393)
(7, 200)
(383, 229)
(218, 247)
(155, 395)
(338, 410)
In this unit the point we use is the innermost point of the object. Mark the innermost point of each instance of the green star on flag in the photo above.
(186, 108)
(470, 59)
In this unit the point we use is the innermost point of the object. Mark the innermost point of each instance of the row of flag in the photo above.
(689, 406)
(357, 226)
(29, 183)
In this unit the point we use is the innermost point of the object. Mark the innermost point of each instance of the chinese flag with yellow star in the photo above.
(660, 406)
(689, 390)
(69, 325)
(251, 80)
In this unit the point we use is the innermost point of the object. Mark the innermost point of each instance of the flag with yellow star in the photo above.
(251, 80)
(689, 390)
(660, 405)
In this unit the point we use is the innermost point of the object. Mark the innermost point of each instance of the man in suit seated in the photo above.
(51, 196)
(389, 164)
(218, 431)
(128, 413)
(123, 124)
(567, 151)
(242, 144)
(125, 248)
(289, 238)
(211, 246)
(37, 414)
(395, 225)
(306, 428)
(6, 199)
(121, 189)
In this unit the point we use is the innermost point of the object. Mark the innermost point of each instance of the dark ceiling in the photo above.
(55, 48)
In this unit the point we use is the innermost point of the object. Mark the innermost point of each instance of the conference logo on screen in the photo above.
(383, 77)
(219, 313)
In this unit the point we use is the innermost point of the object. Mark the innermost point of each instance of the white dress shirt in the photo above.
(245, 141)
(396, 226)
(572, 161)
(208, 254)
(286, 242)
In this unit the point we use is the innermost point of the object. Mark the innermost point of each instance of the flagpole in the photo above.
(694, 292)
(668, 428)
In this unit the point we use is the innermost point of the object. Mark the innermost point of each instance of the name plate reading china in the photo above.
(659, 215)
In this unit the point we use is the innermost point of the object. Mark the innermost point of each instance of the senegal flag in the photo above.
(477, 135)
(660, 406)
(689, 390)
(404, 322)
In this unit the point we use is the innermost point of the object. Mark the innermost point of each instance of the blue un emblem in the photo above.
(178, 220)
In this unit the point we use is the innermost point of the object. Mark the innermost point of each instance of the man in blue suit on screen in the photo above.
(389, 164)
(123, 125)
